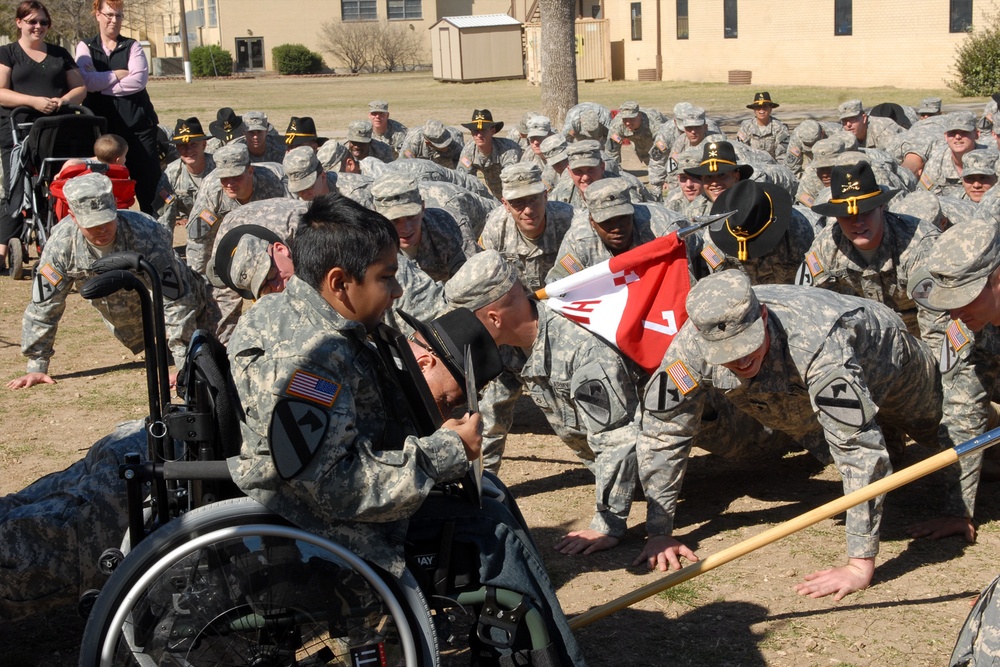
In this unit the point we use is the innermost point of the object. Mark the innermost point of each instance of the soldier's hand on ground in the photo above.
(30, 380)
(586, 542)
(470, 429)
(944, 526)
(840, 581)
(662, 552)
(182, 222)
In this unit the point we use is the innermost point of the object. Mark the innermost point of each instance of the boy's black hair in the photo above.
(338, 232)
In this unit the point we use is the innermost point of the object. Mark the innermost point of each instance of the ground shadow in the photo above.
(93, 372)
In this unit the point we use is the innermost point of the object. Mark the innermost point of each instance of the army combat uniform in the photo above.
(472, 161)
(534, 258)
(177, 190)
(771, 138)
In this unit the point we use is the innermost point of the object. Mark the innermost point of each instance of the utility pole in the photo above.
(185, 55)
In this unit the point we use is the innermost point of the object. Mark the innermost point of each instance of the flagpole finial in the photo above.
(702, 221)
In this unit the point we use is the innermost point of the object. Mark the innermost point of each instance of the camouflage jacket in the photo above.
(533, 258)
(176, 191)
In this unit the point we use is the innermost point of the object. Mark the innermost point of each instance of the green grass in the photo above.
(689, 593)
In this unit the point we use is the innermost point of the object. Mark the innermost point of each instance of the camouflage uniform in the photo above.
(535, 257)
(778, 267)
(370, 473)
(771, 138)
(425, 170)
(587, 153)
(640, 138)
(274, 145)
(979, 639)
(446, 149)
(468, 209)
(824, 348)
(882, 133)
(802, 139)
(587, 120)
(66, 260)
(422, 297)
(395, 131)
(487, 167)
(176, 191)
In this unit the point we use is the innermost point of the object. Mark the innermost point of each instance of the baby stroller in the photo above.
(206, 576)
(41, 147)
(122, 186)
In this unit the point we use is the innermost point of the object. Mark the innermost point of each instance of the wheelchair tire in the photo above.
(15, 256)
(232, 583)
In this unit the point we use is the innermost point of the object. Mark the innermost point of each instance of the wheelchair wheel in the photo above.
(16, 257)
(233, 584)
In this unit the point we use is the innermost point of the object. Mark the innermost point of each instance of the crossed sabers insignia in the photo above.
(851, 185)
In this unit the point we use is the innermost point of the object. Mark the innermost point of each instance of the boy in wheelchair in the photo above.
(330, 444)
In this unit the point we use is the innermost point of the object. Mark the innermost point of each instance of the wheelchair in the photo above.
(207, 576)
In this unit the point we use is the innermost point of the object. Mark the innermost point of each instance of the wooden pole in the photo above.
(775, 533)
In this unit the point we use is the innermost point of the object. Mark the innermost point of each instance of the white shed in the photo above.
(477, 48)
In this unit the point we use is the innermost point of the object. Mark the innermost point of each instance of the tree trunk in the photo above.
(559, 91)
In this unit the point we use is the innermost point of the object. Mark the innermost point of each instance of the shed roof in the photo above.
(481, 21)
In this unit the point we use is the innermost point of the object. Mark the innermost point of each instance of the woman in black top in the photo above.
(115, 71)
(36, 74)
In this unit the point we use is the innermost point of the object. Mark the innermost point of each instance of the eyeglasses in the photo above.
(413, 339)
(42, 22)
(112, 17)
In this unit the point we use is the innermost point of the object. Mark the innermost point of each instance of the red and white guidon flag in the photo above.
(634, 301)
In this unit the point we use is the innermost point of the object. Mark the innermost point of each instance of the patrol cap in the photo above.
(687, 160)
(921, 204)
(187, 130)
(231, 160)
(91, 200)
(850, 109)
(436, 134)
(521, 179)
(255, 121)
(930, 105)
(241, 262)
(331, 155)
(695, 117)
(608, 198)
(360, 131)
(539, 126)
(378, 106)
(522, 124)
(396, 195)
(809, 132)
(590, 122)
(963, 121)
(483, 279)
(301, 166)
(450, 334)
(629, 109)
(825, 152)
(960, 263)
(586, 153)
(726, 313)
(979, 162)
(554, 148)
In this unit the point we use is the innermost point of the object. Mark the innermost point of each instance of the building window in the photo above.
(200, 8)
(729, 19)
(636, 21)
(404, 9)
(843, 19)
(358, 10)
(960, 16)
(682, 19)
(213, 17)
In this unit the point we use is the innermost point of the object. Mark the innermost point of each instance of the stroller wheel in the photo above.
(15, 254)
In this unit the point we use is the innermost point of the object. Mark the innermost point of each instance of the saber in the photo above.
(832, 508)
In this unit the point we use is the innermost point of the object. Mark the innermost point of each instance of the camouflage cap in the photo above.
(231, 160)
(396, 195)
(521, 179)
(960, 263)
(809, 132)
(522, 124)
(483, 279)
(980, 162)
(825, 152)
(590, 122)
(921, 204)
(608, 198)
(378, 106)
(686, 160)
(929, 106)
(850, 109)
(360, 132)
(539, 126)
(695, 117)
(436, 134)
(726, 313)
(554, 148)
(629, 109)
(255, 121)
(586, 153)
(331, 155)
(962, 121)
(301, 167)
(250, 264)
(91, 200)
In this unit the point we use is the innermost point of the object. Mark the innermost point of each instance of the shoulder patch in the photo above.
(466, 162)
(570, 263)
(807, 199)
(592, 397)
(615, 137)
(295, 435)
(712, 258)
(678, 372)
(209, 217)
(167, 196)
(46, 280)
(313, 388)
(813, 264)
(741, 136)
(408, 153)
(661, 145)
(795, 150)
(957, 337)
(926, 181)
(844, 402)
(663, 393)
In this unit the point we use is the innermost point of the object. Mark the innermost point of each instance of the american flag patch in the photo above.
(815, 267)
(795, 150)
(615, 137)
(208, 217)
(570, 263)
(678, 372)
(661, 144)
(166, 196)
(711, 257)
(313, 388)
(51, 275)
(956, 336)
(466, 161)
